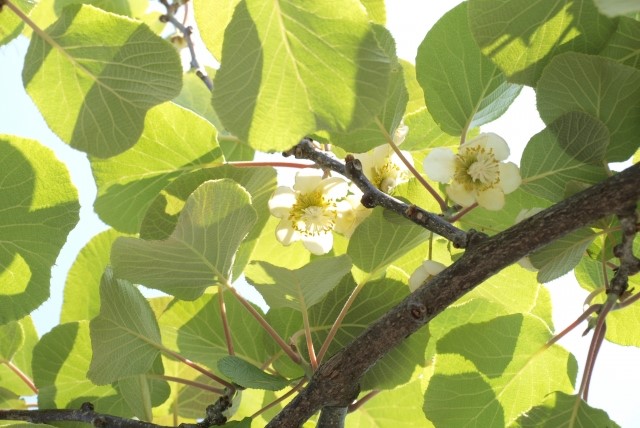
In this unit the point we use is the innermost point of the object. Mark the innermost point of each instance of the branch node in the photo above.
(418, 311)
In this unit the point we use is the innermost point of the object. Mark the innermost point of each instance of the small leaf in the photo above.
(10, 23)
(110, 71)
(368, 256)
(462, 88)
(142, 393)
(303, 67)
(547, 166)
(39, 209)
(522, 36)
(297, 289)
(249, 376)
(623, 45)
(21, 359)
(200, 251)
(125, 336)
(11, 340)
(60, 363)
(175, 141)
(559, 257)
(599, 86)
(82, 287)
(560, 410)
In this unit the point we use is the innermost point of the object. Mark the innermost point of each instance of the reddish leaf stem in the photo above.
(23, 376)
(280, 399)
(225, 323)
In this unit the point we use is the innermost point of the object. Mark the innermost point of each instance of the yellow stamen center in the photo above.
(312, 214)
(477, 168)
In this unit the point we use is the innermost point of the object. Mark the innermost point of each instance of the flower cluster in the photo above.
(477, 173)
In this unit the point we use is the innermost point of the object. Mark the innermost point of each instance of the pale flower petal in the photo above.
(400, 134)
(285, 233)
(526, 213)
(460, 195)
(307, 180)
(350, 214)
(281, 202)
(439, 165)
(491, 199)
(510, 178)
(424, 272)
(494, 142)
(318, 244)
(334, 187)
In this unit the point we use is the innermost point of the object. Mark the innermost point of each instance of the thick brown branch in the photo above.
(335, 382)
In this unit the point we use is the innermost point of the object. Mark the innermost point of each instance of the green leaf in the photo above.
(399, 407)
(200, 252)
(11, 340)
(142, 393)
(599, 86)
(213, 17)
(268, 248)
(39, 209)
(297, 289)
(623, 45)
(12, 384)
(370, 136)
(125, 336)
(560, 410)
(547, 166)
(162, 216)
(60, 363)
(369, 257)
(473, 382)
(175, 141)
(617, 7)
(10, 24)
(249, 376)
(376, 10)
(303, 67)
(522, 36)
(462, 88)
(562, 255)
(195, 330)
(110, 71)
(82, 288)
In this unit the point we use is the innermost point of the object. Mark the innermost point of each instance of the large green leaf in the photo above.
(462, 88)
(175, 141)
(10, 23)
(194, 328)
(200, 252)
(60, 363)
(108, 69)
(46, 12)
(522, 36)
(562, 255)
(297, 289)
(249, 376)
(599, 86)
(39, 209)
(142, 393)
(125, 336)
(547, 165)
(82, 288)
(623, 45)
(485, 373)
(370, 136)
(162, 216)
(212, 17)
(369, 257)
(560, 410)
(302, 67)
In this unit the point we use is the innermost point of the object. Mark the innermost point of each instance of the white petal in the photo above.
(381, 154)
(285, 234)
(281, 202)
(400, 134)
(509, 177)
(439, 164)
(460, 195)
(417, 278)
(492, 141)
(491, 199)
(307, 180)
(432, 267)
(526, 213)
(334, 187)
(319, 244)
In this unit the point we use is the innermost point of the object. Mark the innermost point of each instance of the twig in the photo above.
(372, 196)
(332, 417)
(361, 401)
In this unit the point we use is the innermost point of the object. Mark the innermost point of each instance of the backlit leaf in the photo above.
(559, 410)
(248, 375)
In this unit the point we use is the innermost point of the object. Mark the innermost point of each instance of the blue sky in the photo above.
(616, 371)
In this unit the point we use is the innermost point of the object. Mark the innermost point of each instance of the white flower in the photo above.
(525, 262)
(424, 273)
(384, 168)
(477, 171)
(309, 211)
(400, 134)
(351, 213)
